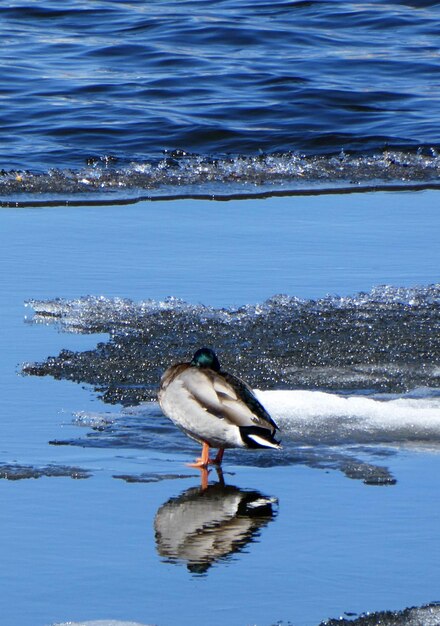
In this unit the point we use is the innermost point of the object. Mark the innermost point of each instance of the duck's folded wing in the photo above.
(260, 416)
(217, 394)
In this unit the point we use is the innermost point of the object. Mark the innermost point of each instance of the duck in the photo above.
(215, 408)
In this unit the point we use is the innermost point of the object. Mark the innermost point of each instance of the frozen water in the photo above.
(333, 539)
(16, 471)
(101, 622)
(320, 417)
(189, 175)
(342, 375)
(428, 615)
(96, 421)
(385, 340)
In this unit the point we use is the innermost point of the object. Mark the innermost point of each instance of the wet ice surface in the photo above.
(353, 434)
(387, 340)
(101, 622)
(180, 174)
(428, 615)
(15, 471)
(332, 547)
(368, 350)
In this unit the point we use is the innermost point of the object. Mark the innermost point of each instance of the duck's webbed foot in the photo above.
(199, 463)
(204, 460)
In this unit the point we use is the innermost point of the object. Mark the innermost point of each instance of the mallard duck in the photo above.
(215, 408)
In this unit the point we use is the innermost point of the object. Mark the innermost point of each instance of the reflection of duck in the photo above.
(214, 408)
(202, 526)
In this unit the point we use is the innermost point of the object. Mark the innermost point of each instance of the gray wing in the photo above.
(226, 397)
(246, 395)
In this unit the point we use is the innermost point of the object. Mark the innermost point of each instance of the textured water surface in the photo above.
(110, 96)
(349, 380)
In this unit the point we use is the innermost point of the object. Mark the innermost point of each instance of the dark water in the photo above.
(166, 95)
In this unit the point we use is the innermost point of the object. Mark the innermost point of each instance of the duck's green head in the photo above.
(205, 357)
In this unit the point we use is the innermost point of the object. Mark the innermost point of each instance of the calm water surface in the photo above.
(225, 253)
(86, 549)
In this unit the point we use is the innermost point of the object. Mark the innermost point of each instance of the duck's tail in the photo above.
(256, 437)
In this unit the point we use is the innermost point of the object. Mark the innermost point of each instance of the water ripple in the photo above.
(228, 78)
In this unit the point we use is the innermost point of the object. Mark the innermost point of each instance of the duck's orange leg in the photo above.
(204, 460)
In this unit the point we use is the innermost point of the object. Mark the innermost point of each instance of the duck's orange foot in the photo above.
(200, 463)
(204, 460)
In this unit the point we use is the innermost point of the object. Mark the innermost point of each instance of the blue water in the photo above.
(86, 549)
(111, 86)
(275, 110)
